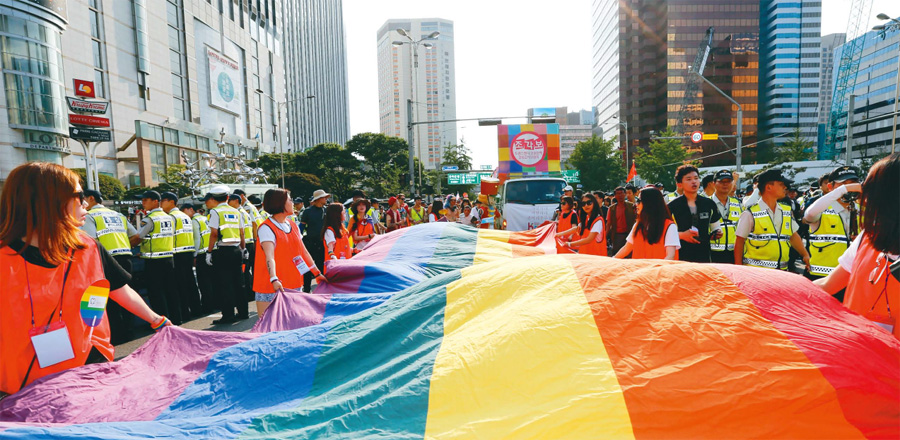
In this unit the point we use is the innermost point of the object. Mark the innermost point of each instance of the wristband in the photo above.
(159, 324)
(273, 279)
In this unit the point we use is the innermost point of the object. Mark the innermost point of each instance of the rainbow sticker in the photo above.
(93, 303)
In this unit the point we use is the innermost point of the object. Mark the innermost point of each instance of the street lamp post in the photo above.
(740, 127)
(414, 71)
(279, 134)
(624, 124)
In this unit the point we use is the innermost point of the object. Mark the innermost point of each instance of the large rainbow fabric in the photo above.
(443, 331)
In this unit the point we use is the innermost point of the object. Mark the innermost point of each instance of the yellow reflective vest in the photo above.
(827, 243)
(729, 223)
(112, 230)
(417, 216)
(254, 213)
(248, 226)
(203, 227)
(766, 245)
(160, 242)
(184, 233)
(229, 223)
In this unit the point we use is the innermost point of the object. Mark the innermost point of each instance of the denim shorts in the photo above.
(264, 297)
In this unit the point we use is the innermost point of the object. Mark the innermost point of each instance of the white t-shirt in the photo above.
(265, 233)
(598, 228)
(329, 237)
(846, 259)
(432, 218)
(671, 237)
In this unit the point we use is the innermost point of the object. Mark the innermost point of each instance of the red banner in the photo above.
(92, 121)
(84, 88)
(633, 173)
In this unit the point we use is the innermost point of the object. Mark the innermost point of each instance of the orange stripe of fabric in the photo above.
(696, 359)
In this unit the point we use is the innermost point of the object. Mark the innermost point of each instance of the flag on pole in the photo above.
(633, 173)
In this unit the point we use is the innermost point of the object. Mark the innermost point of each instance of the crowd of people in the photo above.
(57, 239)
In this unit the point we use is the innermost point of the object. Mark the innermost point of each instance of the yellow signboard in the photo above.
(710, 136)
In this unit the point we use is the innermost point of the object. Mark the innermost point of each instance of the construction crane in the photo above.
(845, 80)
(692, 82)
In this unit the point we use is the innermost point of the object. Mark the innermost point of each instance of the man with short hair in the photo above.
(157, 235)
(189, 296)
(722, 249)
(619, 221)
(235, 200)
(313, 220)
(833, 222)
(417, 214)
(697, 217)
(766, 231)
(630, 193)
(226, 253)
(708, 183)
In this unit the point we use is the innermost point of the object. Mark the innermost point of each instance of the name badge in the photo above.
(704, 215)
(301, 265)
(51, 344)
(885, 322)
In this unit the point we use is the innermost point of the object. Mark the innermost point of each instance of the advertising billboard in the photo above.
(527, 149)
(225, 84)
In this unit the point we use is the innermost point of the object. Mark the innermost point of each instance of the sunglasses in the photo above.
(587, 202)
(637, 201)
(80, 196)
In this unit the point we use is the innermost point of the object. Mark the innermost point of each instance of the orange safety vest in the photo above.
(643, 250)
(341, 245)
(871, 299)
(564, 224)
(46, 285)
(594, 247)
(287, 246)
(361, 229)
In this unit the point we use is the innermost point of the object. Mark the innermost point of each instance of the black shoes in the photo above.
(231, 320)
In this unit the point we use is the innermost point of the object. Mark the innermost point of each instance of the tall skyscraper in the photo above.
(790, 52)
(433, 80)
(657, 41)
(316, 73)
(830, 42)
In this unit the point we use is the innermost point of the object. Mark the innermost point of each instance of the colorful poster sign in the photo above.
(84, 88)
(225, 84)
(528, 149)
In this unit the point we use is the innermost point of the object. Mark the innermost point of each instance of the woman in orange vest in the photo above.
(281, 258)
(566, 224)
(335, 236)
(361, 227)
(593, 238)
(870, 268)
(46, 265)
(654, 234)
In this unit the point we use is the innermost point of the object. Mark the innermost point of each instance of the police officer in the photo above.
(833, 222)
(116, 235)
(200, 231)
(157, 235)
(234, 200)
(225, 254)
(184, 257)
(766, 230)
(722, 250)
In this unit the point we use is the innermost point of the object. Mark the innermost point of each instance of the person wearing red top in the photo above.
(592, 237)
(654, 235)
(393, 218)
(280, 251)
(870, 268)
(620, 220)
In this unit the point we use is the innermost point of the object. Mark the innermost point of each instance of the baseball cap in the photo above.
(93, 193)
(841, 174)
(206, 197)
(188, 206)
(168, 195)
(298, 200)
(254, 200)
(658, 185)
(234, 197)
(152, 195)
(771, 176)
(568, 188)
(724, 174)
(418, 197)
(391, 201)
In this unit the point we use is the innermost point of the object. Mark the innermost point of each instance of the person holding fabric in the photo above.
(870, 268)
(833, 223)
(393, 218)
(360, 226)
(281, 258)
(335, 236)
(566, 223)
(592, 239)
(417, 214)
(654, 235)
(469, 217)
(435, 214)
(46, 265)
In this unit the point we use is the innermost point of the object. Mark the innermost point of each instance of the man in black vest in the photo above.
(698, 218)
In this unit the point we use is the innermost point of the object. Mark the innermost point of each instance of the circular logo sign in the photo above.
(226, 87)
(527, 148)
(696, 137)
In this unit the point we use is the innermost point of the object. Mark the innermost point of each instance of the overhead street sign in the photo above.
(710, 136)
(571, 176)
(466, 178)
(90, 134)
(82, 106)
(450, 168)
(93, 121)
(696, 137)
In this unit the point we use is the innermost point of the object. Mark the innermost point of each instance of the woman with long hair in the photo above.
(870, 268)
(335, 236)
(592, 237)
(435, 214)
(654, 234)
(281, 258)
(361, 227)
(46, 265)
(566, 223)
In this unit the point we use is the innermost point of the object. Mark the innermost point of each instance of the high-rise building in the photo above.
(790, 52)
(316, 73)
(875, 99)
(830, 42)
(574, 127)
(657, 42)
(176, 73)
(433, 80)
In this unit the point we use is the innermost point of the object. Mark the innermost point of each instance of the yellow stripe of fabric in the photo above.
(522, 358)
(492, 245)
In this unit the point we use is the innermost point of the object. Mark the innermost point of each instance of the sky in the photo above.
(511, 55)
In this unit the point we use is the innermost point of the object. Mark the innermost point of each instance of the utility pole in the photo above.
(740, 127)
(412, 166)
(850, 128)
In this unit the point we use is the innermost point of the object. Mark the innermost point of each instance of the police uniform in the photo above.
(768, 242)
(184, 264)
(227, 261)
(251, 217)
(722, 250)
(200, 230)
(157, 251)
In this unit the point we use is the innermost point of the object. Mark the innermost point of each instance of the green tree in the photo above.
(335, 166)
(110, 187)
(172, 180)
(385, 160)
(658, 164)
(301, 184)
(271, 165)
(134, 192)
(796, 149)
(599, 163)
(459, 156)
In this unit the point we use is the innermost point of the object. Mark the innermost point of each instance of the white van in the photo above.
(526, 203)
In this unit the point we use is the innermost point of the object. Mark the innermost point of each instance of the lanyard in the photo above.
(61, 293)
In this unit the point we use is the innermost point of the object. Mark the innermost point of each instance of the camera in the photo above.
(850, 197)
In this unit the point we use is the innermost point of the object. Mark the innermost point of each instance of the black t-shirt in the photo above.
(706, 214)
(314, 219)
(114, 273)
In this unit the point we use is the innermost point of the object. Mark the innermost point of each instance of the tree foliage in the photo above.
(301, 184)
(173, 181)
(459, 156)
(599, 163)
(658, 164)
(335, 166)
(796, 149)
(110, 187)
(385, 162)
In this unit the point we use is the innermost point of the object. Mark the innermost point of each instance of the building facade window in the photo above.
(178, 61)
(98, 47)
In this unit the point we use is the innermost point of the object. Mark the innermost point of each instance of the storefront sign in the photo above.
(84, 88)
(90, 134)
(82, 106)
(93, 121)
(225, 84)
(41, 140)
